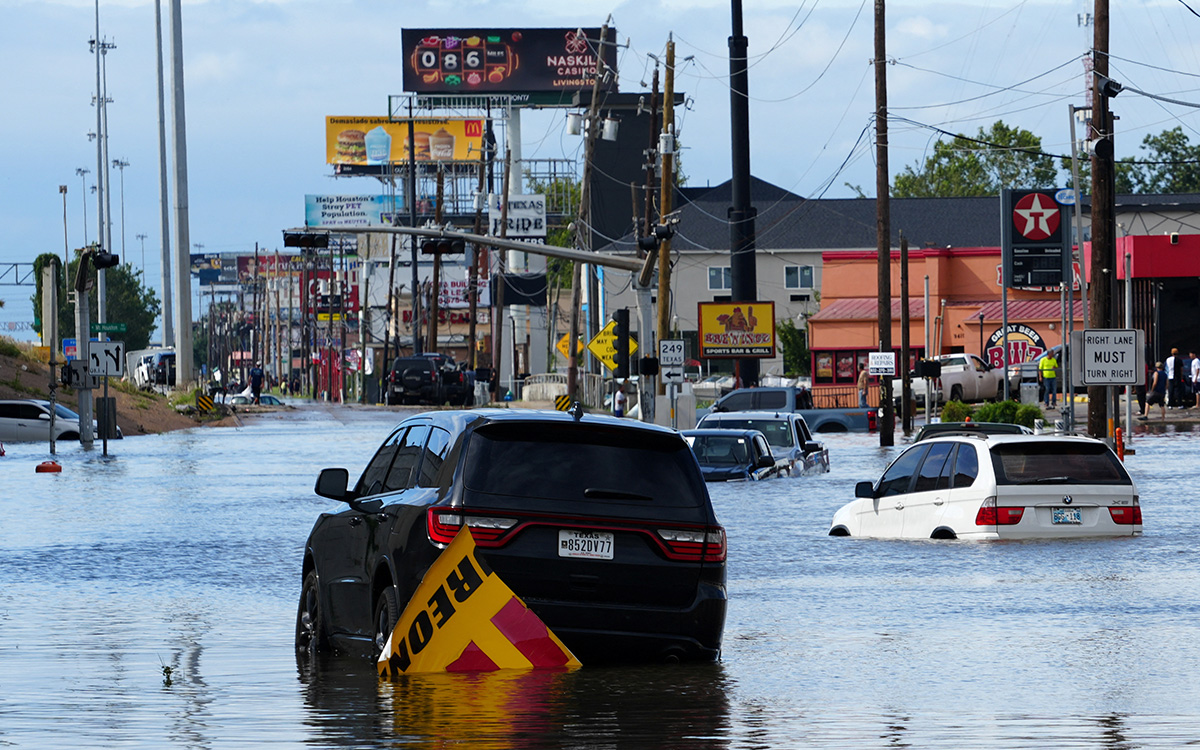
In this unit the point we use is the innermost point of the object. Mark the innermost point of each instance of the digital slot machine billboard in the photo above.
(505, 61)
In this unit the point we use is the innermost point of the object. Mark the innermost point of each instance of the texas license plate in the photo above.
(595, 545)
(1065, 515)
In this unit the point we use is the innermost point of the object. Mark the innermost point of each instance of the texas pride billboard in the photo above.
(505, 61)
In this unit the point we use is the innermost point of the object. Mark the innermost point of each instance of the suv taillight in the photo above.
(992, 515)
(706, 544)
(443, 523)
(1127, 516)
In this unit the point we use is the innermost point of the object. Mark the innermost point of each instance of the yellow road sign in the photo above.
(563, 344)
(463, 618)
(603, 345)
(562, 403)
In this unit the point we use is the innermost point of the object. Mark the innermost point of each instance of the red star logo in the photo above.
(1036, 216)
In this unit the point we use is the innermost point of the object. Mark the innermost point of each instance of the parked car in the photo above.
(799, 400)
(786, 433)
(965, 377)
(264, 399)
(1027, 372)
(525, 483)
(27, 420)
(996, 487)
(164, 369)
(730, 455)
(428, 379)
(940, 429)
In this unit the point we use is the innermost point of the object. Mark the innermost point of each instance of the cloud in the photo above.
(920, 27)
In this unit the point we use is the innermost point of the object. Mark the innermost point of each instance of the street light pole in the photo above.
(121, 164)
(139, 236)
(83, 172)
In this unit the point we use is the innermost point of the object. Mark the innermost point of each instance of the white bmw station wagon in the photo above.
(996, 487)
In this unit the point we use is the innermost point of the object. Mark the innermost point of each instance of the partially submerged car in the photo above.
(28, 419)
(603, 526)
(996, 487)
(787, 433)
(731, 455)
(939, 429)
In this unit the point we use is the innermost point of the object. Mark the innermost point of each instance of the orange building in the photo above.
(967, 313)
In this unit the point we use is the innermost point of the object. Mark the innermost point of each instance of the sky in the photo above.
(262, 75)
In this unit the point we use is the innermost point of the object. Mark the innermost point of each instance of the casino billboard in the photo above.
(504, 61)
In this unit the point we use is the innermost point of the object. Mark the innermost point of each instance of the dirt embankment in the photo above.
(138, 412)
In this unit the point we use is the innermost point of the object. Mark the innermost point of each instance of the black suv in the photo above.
(428, 379)
(527, 484)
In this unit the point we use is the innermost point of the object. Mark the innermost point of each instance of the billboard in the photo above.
(345, 210)
(379, 140)
(503, 61)
(737, 329)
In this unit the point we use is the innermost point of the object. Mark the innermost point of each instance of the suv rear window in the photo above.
(417, 363)
(778, 431)
(513, 462)
(1050, 462)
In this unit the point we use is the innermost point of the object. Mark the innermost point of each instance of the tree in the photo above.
(127, 301)
(999, 158)
(794, 341)
(1181, 175)
(1125, 169)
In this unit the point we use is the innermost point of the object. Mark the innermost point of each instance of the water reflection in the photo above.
(676, 706)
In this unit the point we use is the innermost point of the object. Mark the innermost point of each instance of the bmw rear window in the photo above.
(512, 462)
(1057, 462)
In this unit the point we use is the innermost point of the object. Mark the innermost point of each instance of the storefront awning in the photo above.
(867, 308)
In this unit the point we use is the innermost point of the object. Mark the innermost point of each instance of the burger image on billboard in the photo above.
(352, 147)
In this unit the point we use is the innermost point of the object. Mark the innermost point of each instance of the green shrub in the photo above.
(956, 411)
(998, 411)
(1026, 413)
(9, 348)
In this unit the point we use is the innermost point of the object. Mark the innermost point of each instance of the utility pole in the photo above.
(665, 205)
(1103, 219)
(473, 261)
(121, 164)
(437, 264)
(583, 226)
(183, 278)
(164, 208)
(905, 383)
(883, 228)
(743, 263)
(498, 292)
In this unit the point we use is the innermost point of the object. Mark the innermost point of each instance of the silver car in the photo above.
(28, 420)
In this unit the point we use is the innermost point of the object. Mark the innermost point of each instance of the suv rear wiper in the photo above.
(1048, 480)
(607, 494)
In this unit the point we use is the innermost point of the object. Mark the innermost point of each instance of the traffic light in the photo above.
(443, 246)
(103, 259)
(621, 331)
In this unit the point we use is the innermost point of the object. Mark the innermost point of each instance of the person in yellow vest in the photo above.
(1048, 374)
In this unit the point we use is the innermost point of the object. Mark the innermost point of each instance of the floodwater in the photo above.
(148, 599)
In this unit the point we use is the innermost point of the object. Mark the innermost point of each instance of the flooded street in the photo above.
(149, 600)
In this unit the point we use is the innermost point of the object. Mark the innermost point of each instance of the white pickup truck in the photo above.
(965, 377)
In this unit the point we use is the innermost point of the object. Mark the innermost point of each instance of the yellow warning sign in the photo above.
(562, 403)
(463, 618)
(603, 345)
(564, 343)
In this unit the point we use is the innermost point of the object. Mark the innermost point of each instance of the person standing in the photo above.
(863, 385)
(256, 381)
(1157, 393)
(1196, 378)
(1174, 370)
(619, 400)
(1048, 373)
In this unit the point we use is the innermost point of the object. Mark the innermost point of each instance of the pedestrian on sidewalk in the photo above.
(1157, 394)
(1174, 370)
(1048, 372)
(619, 399)
(1196, 378)
(863, 385)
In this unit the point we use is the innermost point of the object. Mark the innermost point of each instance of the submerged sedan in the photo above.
(731, 455)
(996, 487)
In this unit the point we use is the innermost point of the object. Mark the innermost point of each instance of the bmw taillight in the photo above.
(1127, 516)
(706, 544)
(488, 531)
(991, 514)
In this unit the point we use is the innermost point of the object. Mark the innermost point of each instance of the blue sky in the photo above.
(262, 75)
